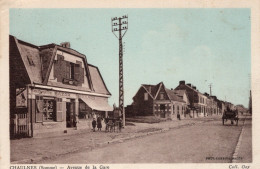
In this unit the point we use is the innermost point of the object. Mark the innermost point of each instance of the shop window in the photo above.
(49, 112)
(145, 96)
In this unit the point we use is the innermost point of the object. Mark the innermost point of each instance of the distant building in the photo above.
(159, 101)
(209, 103)
(198, 101)
(229, 105)
(183, 95)
(52, 88)
(241, 109)
(219, 106)
(222, 107)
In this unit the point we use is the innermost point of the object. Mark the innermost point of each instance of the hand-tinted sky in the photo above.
(200, 46)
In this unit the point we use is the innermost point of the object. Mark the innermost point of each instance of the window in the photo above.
(173, 109)
(73, 74)
(72, 70)
(30, 60)
(161, 96)
(145, 96)
(162, 107)
(49, 112)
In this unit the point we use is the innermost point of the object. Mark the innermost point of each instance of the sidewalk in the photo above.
(245, 147)
(31, 150)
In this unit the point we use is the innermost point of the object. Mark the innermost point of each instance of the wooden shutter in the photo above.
(81, 72)
(77, 72)
(81, 75)
(59, 68)
(59, 110)
(67, 71)
(39, 110)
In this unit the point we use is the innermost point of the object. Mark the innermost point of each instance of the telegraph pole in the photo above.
(250, 103)
(210, 85)
(119, 28)
(211, 104)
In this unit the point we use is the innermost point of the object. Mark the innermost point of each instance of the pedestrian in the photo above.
(106, 122)
(94, 115)
(94, 123)
(120, 124)
(178, 116)
(99, 123)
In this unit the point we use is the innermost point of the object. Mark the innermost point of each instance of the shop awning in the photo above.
(97, 104)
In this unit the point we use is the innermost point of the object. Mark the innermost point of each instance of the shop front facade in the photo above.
(53, 89)
(53, 110)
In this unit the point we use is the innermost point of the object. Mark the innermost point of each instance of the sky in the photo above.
(200, 46)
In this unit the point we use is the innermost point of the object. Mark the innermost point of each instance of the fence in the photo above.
(19, 125)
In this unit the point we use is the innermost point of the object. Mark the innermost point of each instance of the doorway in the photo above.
(162, 110)
(70, 114)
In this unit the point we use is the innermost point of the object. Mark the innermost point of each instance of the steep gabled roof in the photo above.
(180, 92)
(173, 96)
(31, 59)
(38, 61)
(97, 80)
(152, 89)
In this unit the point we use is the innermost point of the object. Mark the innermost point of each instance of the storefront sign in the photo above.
(21, 97)
(43, 92)
(50, 93)
(62, 94)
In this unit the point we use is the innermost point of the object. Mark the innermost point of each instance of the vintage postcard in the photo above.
(104, 85)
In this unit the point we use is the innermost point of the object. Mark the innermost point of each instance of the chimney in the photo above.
(194, 87)
(189, 84)
(182, 82)
(65, 44)
(171, 88)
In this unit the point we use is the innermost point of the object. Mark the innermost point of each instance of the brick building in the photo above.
(198, 101)
(52, 88)
(159, 101)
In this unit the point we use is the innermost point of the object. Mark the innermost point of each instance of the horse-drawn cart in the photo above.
(230, 115)
(113, 124)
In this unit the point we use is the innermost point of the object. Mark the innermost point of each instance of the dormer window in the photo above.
(30, 60)
(68, 72)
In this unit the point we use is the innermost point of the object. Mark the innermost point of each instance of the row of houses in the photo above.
(54, 88)
(185, 100)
